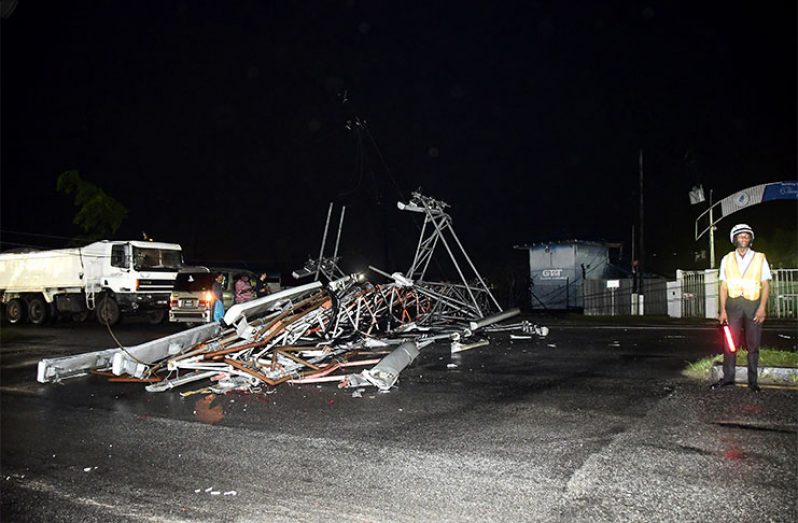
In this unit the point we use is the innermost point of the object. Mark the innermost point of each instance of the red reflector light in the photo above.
(207, 298)
(729, 339)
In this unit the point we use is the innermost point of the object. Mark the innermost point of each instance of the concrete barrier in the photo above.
(765, 375)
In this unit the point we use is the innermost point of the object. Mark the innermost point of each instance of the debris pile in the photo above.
(320, 333)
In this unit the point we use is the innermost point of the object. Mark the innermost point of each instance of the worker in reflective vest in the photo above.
(744, 288)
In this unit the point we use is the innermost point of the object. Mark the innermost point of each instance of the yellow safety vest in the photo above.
(746, 285)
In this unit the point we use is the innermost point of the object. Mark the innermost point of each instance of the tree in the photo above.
(99, 215)
(780, 246)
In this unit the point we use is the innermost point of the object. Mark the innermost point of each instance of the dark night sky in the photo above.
(220, 125)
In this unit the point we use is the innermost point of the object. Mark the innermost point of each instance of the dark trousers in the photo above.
(741, 317)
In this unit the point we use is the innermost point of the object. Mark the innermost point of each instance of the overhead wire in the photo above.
(38, 235)
(359, 162)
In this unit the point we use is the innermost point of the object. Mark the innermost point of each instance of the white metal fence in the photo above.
(694, 294)
(603, 301)
(783, 301)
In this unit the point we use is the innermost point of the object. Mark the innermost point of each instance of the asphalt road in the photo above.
(595, 423)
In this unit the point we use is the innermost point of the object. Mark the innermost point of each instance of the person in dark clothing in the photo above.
(262, 285)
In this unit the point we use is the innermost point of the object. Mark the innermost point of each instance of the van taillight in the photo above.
(206, 298)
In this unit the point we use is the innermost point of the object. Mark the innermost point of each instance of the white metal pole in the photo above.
(711, 234)
(641, 265)
(338, 239)
(323, 240)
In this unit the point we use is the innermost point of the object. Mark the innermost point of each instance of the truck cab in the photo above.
(136, 277)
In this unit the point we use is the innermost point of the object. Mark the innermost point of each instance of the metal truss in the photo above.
(325, 266)
(473, 297)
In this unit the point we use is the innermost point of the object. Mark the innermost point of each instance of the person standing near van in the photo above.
(218, 293)
(243, 289)
(744, 289)
(262, 285)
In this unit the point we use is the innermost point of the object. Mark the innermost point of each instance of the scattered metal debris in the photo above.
(386, 372)
(317, 333)
(461, 347)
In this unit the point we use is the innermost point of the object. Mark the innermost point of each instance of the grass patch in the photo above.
(701, 369)
(768, 357)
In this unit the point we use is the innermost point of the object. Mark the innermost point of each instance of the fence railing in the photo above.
(603, 301)
(697, 296)
(783, 300)
(694, 293)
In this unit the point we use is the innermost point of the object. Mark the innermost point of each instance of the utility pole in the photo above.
(633, 297)
(641, 264)
(634, 266)
(711, 234)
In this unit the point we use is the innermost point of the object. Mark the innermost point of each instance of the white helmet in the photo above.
(740, 227)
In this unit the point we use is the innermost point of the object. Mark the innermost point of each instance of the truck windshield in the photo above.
(156, 259)
(193, 282)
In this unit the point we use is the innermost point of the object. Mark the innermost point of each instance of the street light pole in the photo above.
(696, 197)
(711, 234)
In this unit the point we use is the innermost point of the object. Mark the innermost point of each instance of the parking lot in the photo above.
(593, 423)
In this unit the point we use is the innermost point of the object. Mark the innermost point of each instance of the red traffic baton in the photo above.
(729, 339)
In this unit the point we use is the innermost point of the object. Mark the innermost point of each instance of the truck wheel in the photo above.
(108, 311)
(38, 311)
(156, 317)
(15, 311)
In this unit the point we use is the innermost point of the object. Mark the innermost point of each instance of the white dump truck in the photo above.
(108, 277)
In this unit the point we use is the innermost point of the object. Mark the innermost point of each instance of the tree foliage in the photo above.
(780, 246)
(99, 215)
